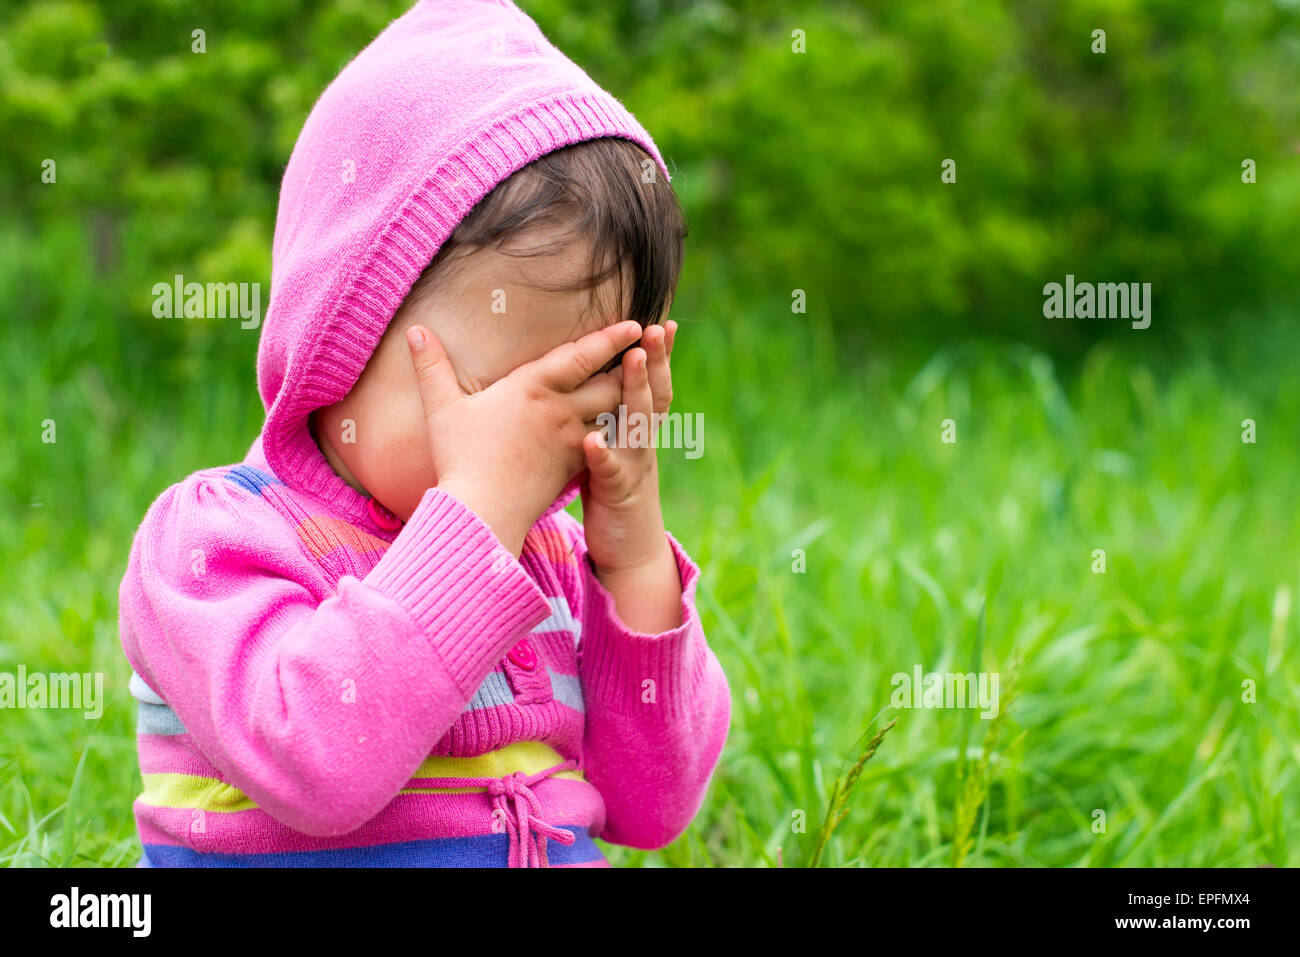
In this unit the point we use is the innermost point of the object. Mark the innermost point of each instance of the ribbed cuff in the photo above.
(469, 595)
(617, 661)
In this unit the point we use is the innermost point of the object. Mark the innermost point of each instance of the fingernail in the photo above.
(415, 336)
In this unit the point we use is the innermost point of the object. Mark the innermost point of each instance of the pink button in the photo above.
(523, 655)
(382, 516)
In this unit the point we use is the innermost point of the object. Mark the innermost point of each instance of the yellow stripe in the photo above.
(193, 791)
(527, 756)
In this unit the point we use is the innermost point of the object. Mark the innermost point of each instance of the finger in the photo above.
(670, 333)
(601, 462)
(661, 378)
(636, 391)
(570, 364)
(607, 430)
(437, 379)
(600, 393)
(616, 374)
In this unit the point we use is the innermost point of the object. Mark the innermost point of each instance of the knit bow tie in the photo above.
(520, 809)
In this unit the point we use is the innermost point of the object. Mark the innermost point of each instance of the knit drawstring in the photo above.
(521, 810)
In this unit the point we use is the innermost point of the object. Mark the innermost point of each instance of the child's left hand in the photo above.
(621, 514)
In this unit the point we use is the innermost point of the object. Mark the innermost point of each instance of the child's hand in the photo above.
(506, 452)
(621, 515)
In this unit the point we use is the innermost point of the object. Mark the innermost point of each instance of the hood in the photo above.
(452, 98)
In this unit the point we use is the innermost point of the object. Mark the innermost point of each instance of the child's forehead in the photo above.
(556, 284)
(507, 307)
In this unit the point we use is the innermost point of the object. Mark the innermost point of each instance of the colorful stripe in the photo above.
(483, 850)
(323, 535)
(567, 689)
(561, 619)
(197, 792)
(551, 544)
(526, 756)
(193, 792)
(408, 817)
(180, 813)
(494, 692)
(157, 719)
(251, 479)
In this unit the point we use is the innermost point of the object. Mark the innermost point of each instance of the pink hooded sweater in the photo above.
(319, 684)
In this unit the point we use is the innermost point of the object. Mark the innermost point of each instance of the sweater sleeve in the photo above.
(658, 711)
(317, 702)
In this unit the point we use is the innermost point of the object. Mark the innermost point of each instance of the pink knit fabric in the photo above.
(296, 662)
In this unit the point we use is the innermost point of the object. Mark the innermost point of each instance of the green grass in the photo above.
(1128, 688)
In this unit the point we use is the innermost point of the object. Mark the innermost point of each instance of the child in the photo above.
(380, 640)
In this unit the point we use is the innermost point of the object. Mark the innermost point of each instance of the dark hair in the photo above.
(607, 190)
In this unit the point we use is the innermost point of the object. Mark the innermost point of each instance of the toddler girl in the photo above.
(380, 640)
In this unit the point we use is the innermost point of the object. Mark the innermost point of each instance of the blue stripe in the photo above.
(561, 619)
(254, 480)
(567, 689)
(157, 719)
(493, 691)
(486, 850)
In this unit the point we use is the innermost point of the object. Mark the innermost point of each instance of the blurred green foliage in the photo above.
(817, 170)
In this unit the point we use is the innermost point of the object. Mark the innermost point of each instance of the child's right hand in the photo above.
(506, 452)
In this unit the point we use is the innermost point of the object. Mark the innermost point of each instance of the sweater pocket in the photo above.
(525, 668)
